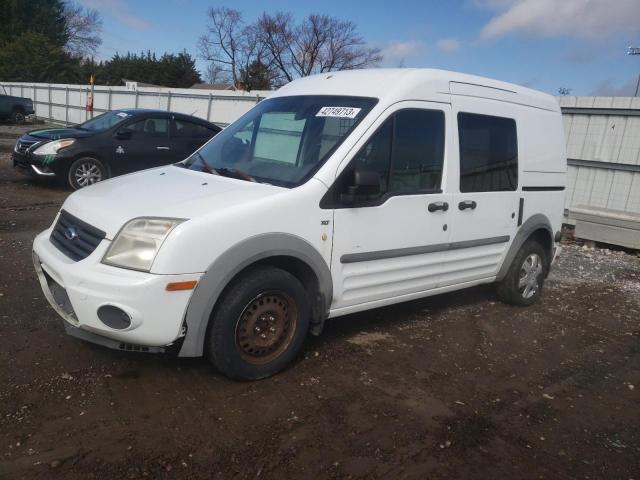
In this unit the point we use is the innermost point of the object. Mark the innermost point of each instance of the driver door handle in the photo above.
(163, 148)
(467, 204)
(435, 206)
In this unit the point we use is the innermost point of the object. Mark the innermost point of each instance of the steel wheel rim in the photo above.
(87, 173)
(19, 118)
(528, 282)
(266, 327)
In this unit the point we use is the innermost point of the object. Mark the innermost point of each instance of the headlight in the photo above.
(138, 242)
(51, 148)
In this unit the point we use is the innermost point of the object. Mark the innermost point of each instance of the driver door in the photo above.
(388, 246)
(143, 143)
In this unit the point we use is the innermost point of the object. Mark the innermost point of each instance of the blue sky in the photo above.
(543, 44)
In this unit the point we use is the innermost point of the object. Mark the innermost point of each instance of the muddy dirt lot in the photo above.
(457, 386)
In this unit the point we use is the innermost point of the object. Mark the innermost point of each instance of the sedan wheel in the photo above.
(85, 172)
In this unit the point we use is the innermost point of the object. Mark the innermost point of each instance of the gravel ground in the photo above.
(455, 386)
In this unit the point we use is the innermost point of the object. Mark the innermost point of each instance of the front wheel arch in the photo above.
(289, 252)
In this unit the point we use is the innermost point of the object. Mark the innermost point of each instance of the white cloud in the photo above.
(396, 53)
(581, 18)
(118, 10)
(448, 45)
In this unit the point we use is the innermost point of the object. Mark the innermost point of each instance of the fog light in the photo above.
(114, 317)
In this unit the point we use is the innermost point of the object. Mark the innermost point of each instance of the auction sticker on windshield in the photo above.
(339, 112)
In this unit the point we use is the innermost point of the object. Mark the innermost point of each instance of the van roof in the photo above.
(390, 85)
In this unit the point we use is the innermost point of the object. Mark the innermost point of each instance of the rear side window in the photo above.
(488, 153)
(185, 129)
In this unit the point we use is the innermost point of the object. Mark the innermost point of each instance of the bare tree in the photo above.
(230, 45)
(319, 44)
(83, 29)
(279, 49)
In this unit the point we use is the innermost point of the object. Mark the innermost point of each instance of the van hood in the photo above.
(170, 191)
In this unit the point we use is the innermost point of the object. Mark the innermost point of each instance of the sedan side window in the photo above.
(150, 127)
(185, 129)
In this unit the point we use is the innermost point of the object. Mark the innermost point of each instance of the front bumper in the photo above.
(76, 290)
(31, 165)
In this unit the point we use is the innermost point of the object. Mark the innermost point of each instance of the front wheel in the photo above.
(260, 324)
(522, 285)
(86, 171)
(17, 117)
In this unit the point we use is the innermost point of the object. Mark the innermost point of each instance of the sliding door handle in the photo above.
(435, 206)
(163, 148)
(467, 204)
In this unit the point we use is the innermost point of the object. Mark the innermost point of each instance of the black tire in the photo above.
(245, 340)
(17, 116)
(511, 290)
(93, 170)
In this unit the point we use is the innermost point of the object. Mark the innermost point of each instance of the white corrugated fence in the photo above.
(65, 104)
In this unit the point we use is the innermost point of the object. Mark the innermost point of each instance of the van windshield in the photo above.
(281, 141)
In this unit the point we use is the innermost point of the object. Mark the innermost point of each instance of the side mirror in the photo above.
(365, 183)
(123, 134)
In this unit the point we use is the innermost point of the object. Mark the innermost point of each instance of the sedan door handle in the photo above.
(435, 206)
(163, 148)
(467, 204)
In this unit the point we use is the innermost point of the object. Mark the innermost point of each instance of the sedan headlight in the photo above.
(138, 242)
(51, 148)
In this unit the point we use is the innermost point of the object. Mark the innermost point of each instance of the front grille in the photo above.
(75, 238)
(23, 145)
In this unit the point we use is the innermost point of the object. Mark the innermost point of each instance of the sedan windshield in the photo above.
(282, 141)
(105, 121)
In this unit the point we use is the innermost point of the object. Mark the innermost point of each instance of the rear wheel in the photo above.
(86, 171)
(17, 116)
(260, 324)
(522, 285)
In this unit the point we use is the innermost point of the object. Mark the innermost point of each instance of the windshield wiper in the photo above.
(234, 173)
(222, 171)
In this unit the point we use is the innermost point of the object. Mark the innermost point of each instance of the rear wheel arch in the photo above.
(538, 228)
(282, 251)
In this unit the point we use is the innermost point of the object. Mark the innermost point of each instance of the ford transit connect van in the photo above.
(342, 192)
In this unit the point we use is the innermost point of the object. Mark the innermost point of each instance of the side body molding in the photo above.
(533, 223)
(234, 260)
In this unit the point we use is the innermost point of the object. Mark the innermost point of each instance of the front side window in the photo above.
(488, 153)
(407, 153)
(282, 141)
(418, 151)
(154, 127)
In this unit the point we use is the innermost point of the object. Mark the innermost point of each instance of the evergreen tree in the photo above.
(30, 58)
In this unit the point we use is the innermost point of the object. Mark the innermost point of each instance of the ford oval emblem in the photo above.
(71, 233)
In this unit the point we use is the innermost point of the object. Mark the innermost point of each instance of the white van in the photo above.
(341, 192)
